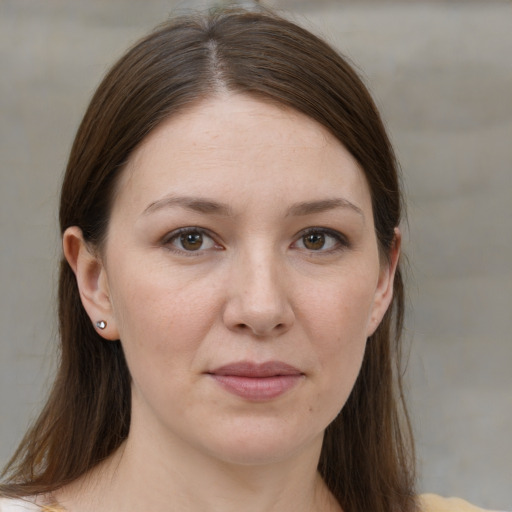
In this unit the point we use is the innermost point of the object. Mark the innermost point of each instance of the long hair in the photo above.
(367, 456)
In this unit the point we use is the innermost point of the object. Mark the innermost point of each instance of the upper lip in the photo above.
(255, 370)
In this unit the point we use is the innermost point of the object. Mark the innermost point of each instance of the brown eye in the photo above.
(314, 241)
(321, 240)
(191, 241)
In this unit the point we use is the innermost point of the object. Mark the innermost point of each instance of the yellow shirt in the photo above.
(435, 503)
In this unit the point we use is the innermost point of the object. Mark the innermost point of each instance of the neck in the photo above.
(162, 477)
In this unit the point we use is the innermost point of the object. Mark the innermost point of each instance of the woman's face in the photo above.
(242, 274)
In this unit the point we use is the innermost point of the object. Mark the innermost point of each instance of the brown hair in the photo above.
(367, 455)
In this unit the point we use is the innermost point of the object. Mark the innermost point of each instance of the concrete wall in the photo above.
(442, 74)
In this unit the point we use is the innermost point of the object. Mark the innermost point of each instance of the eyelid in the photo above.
(342, 241)
(167, 240)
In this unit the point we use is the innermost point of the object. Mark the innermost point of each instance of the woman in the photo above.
(230, 294)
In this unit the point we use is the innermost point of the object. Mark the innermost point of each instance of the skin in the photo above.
(259, 287)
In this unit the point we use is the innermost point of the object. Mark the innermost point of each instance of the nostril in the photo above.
(260, 331)
(261, 320)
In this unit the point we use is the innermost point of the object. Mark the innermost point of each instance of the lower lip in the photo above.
(258, 388)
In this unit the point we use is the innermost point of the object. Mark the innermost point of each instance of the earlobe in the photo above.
(384, 291)
(91, 278)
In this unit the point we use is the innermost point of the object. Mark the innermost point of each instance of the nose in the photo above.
(258, 301)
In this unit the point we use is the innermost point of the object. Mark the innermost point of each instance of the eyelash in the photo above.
(176, 234)
(340, 241)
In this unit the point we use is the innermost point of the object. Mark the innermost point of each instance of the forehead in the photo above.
(233, 120)
(239, 145)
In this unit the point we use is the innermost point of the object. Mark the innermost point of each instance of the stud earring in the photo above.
(101, 324)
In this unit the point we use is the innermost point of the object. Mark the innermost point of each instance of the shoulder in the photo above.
(23, 505)
(17, 505)
(434, 503)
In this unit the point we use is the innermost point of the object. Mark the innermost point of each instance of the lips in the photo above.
(257, 382)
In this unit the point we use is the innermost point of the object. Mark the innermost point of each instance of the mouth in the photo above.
(257, 382)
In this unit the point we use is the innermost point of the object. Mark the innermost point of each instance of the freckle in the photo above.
(310, 408)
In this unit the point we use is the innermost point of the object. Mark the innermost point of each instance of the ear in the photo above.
(91, 278)
(384, 292)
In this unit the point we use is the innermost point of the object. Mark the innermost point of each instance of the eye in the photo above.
(190, 240)
(321, 240)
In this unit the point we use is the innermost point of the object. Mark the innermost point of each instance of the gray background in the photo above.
(442, 74)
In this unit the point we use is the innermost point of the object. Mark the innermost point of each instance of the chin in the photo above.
(262, 444)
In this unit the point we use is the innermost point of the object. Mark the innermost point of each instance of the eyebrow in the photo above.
(310, 207)
(209, 206)
(195, 204)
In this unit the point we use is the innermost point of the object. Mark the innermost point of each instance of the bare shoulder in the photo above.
(435, 503)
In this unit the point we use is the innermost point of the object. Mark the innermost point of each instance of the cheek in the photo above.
(162, 326)
(338, 326)
(161, 317)
(339, 313)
